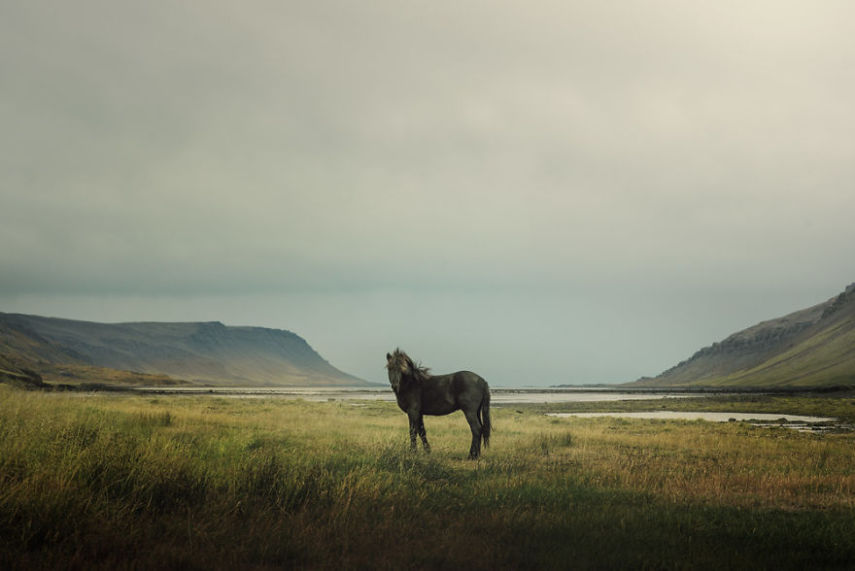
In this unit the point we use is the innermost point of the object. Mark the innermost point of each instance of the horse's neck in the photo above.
(410, 384)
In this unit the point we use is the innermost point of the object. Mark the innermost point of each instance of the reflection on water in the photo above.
(499, 396)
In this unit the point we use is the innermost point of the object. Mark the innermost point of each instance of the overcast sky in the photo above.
(541, 192)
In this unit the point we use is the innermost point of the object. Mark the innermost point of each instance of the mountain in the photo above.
(811, 347)
(159, 353)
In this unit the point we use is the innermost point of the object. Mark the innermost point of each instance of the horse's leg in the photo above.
(475, 427)
(423, 433)
(414, 427)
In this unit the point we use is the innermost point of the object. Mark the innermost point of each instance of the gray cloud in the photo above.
(442, 155)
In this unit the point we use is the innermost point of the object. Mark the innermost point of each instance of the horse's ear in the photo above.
(388, 357)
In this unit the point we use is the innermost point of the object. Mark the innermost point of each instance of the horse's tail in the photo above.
(484, 409)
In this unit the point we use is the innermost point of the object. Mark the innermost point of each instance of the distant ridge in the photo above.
(158, 353)
(812, 347)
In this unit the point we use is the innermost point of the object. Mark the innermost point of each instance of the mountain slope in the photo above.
(810, 347)
(206, 352)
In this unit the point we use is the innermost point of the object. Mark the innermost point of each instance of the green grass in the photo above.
(119, 481)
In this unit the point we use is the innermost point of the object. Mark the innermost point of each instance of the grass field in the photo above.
(119, 481)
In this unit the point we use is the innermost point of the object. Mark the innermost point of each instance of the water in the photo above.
(503, 396)
(499, 395)
(756, 417)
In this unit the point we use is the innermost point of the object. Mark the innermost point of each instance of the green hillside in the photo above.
(68, 351)
(813, 347)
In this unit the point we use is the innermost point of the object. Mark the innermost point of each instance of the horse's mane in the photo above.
(403, 363)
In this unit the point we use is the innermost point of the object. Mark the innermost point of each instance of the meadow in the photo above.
(107, 481)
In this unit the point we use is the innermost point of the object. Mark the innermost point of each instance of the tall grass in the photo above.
(203, 482)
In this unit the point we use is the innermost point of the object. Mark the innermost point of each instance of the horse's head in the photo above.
(398, 365)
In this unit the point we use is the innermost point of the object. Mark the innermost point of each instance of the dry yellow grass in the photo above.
(109, 481)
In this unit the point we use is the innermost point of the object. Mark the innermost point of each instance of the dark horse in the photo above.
(420, 393)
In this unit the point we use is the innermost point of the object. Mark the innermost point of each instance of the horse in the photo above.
(419, 393)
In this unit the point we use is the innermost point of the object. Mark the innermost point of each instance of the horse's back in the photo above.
(454, 391)
(467, 380)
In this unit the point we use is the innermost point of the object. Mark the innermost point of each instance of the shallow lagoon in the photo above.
(708, 416)
(499, 395)
(508, 396)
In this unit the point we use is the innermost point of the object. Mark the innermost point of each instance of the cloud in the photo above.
(211, 149)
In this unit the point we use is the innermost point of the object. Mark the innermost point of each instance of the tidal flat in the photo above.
(204, 481)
